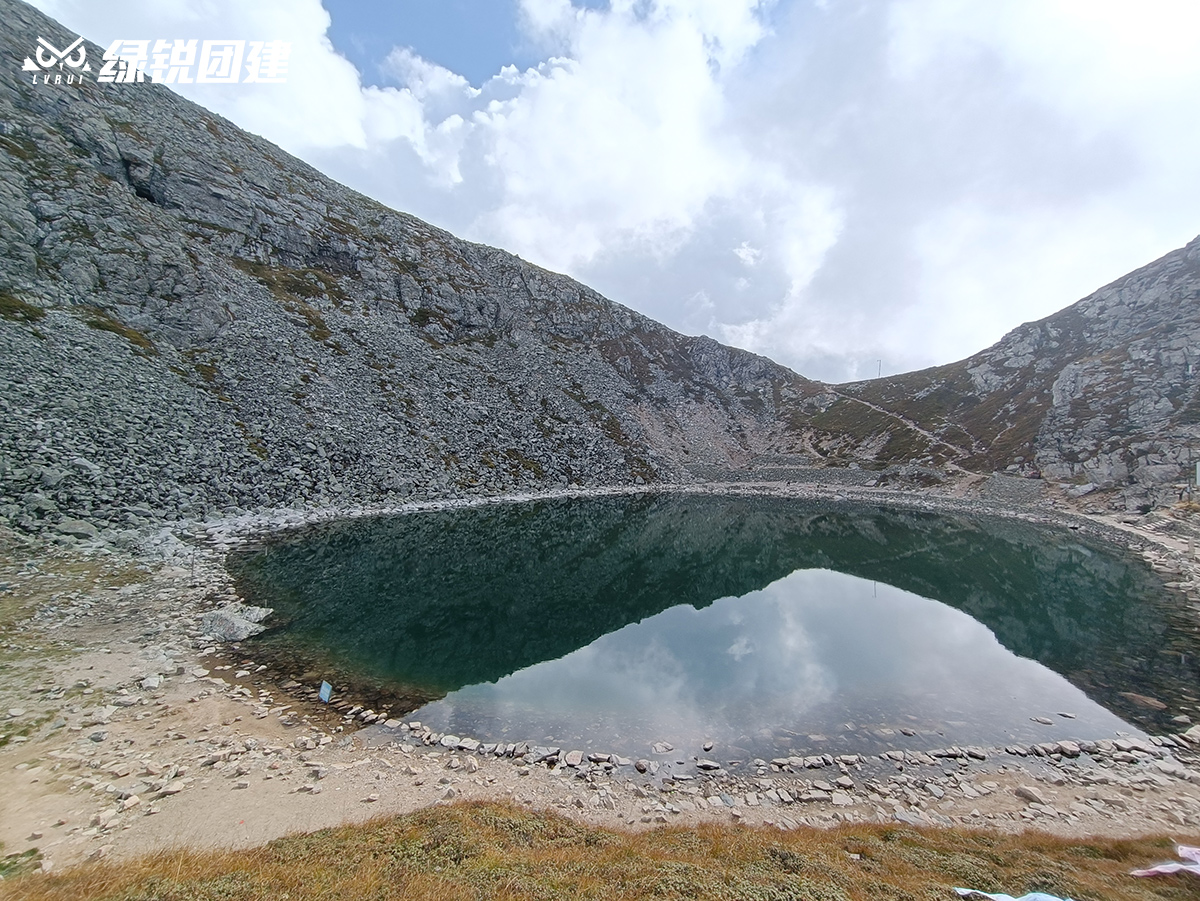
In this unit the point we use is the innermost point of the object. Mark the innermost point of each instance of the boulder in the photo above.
(234, 622)
(77, 528)
(1030, 794)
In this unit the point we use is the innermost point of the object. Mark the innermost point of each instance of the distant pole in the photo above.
(881, 376)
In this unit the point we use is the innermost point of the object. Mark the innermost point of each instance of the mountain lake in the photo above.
(768, 626)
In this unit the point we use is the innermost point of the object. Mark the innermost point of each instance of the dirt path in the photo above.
(958, 452)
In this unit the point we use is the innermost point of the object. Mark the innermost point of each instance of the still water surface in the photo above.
(766, 625)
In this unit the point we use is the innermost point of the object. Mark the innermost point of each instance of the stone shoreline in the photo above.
(130, 729)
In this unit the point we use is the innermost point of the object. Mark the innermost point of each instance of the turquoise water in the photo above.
(765, 625)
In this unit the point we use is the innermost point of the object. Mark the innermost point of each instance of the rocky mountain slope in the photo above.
(1103, 394)
(192, 321)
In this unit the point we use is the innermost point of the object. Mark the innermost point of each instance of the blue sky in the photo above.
(475, 38)
(826, 182)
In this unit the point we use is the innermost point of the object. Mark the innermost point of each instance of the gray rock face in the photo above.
(1104, 395)
(196, 322)
(193, 322)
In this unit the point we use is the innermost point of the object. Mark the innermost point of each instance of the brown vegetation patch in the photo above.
(518, 459)
(849, 417)
(487, 850)
(21, 147)
(208, 372)
(285, 282)
(292, 288)
(17, 310)
(127, 129)
(605, 420)
(104, 321)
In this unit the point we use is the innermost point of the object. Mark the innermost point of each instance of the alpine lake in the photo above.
(767, 626)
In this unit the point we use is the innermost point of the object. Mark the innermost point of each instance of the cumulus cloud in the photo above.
(831, 184)
(622, 143)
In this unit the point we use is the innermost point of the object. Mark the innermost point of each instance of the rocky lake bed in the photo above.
(134, 720)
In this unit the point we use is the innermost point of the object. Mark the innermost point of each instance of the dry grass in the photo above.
(488, 851)
(104, 321)
(18, 310)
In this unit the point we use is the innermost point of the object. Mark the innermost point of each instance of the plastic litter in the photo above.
(1188, 853)
(1032, 896)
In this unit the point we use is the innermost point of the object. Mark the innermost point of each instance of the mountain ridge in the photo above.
(194, 322)
(342, 342)
(1107, 386)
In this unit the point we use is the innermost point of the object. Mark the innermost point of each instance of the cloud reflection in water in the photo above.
(807, 655)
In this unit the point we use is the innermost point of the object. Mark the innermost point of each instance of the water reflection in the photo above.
(752, 615)
(816, 653)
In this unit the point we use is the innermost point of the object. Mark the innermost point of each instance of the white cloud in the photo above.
(1105, 59)
(901, 181)
(551, 20)
(750, 256)
(321, 104)
(995, 163)
(623, 140)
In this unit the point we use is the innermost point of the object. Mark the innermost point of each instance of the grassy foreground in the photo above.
(488, 851)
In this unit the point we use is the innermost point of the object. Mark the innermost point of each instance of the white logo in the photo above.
(178, 61)
(189, 60)
(46, 57)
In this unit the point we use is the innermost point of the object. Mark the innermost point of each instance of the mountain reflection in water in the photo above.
(775, 630)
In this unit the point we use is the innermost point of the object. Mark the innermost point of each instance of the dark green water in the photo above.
(764, 624)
